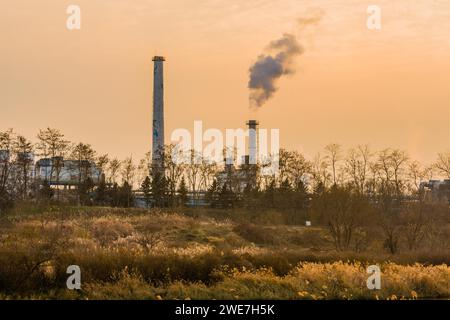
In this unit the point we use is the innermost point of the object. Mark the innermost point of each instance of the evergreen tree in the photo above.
(269, 194)
(46, 192)
(6, 201)
(183, 192)
(127, 195)
(301, 203)
(114, 195)
(101, 195)
(227, 197)
(285, 186)
(146, 187)
(211, 194)
(84, 190)
(159, 190)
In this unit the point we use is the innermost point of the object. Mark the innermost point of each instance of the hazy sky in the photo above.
(387, 88)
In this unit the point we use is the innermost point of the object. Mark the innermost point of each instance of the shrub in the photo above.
(108, 229)
(256, 234)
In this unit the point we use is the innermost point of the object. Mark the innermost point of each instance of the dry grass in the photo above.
(141, 254)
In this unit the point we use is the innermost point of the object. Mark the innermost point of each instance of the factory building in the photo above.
(244, 176)
(55, 171)
(438, 190)
(59, 172)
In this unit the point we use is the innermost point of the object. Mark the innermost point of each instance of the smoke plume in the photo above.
(276, 62)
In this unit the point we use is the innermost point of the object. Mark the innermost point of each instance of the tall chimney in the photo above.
(158, 116)
(252, 142)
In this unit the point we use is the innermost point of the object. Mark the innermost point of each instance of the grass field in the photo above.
(198, 254)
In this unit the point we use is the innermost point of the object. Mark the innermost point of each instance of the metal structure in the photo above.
(158, 116)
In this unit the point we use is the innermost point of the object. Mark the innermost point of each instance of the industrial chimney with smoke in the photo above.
(158, 116)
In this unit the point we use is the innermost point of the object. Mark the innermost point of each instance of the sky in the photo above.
(352, 85)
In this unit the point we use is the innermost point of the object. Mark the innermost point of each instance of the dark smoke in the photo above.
(269, 68)
(276, 63)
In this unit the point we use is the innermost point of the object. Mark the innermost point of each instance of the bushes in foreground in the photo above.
(208, 275)
(336, 280)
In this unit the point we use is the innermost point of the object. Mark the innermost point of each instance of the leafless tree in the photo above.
(418, 173)
(128, 171)
(357, 166)
(333, 155)
(399, 160)
(414, 225)
(392, 164)
(114, 169)
(320, 171)
(442, 163)
(144, 167)
(193, 172)
(6, 149)
(102, 163)
(174, 169)
(343, 211)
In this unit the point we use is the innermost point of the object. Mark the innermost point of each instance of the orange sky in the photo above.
(388, 88)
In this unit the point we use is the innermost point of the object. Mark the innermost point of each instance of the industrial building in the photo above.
(244, 176)
(55, 171)
(438, 190)
(67, 173)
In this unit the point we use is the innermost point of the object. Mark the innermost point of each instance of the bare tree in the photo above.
(114, 169)
(128, 171)
(442, 163)
(414, 225)
(418, 173)
(193, 171)
(102, 164)
(357, 166)
(320, 171)
(398, 159)
(343, 211)
(392, 165)
(6, 151)
(174, 169)
(333, 155)
(144, 167)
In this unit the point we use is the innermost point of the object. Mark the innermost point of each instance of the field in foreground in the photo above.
(150, 254)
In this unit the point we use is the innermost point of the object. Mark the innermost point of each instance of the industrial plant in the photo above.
(233, 176)
(66, 174)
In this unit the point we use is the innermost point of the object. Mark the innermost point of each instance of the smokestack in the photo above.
(252, 141)
(158, 115)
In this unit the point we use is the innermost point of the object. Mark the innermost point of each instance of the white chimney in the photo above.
(252, 142)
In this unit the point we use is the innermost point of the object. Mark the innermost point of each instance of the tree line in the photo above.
(346, 190)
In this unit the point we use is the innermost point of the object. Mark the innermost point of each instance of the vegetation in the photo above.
(306, 233)
(202, 254)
